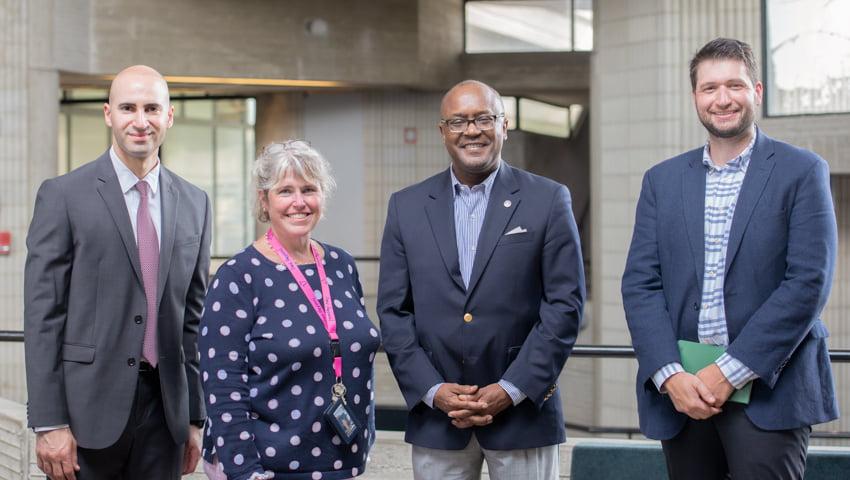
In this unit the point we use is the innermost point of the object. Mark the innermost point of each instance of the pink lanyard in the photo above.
(326, 314)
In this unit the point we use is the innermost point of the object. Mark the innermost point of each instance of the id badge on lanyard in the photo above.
(338, 413)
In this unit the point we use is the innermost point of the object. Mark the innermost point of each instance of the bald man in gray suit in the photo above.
(117, 266)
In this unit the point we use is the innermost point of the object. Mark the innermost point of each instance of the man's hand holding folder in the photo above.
(716, 382)
(691, 396)
(702, 389)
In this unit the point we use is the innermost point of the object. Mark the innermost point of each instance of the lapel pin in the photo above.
(507, 204)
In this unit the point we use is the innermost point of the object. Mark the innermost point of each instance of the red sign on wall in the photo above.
(5, 243)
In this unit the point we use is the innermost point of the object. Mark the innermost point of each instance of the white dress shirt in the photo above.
(128, 181)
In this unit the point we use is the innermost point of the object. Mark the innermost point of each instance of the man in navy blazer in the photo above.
(734, 245)
(480, 295)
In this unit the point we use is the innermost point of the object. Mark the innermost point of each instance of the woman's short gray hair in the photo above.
(296, 156)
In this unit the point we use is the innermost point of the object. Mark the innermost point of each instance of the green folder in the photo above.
(696, 356)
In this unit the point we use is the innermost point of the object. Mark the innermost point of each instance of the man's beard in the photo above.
(730, 132)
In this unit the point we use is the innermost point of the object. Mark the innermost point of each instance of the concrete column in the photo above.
(643, 114)
(28, 154)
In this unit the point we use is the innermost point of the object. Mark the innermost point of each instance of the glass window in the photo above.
(98, 94)
(807, 56)
(198, 109)
(211, 145)
(187, 151)
(510, 112)
(583, 25)
(528, 25)
(544, 118)
(230, 184)
(88, 136)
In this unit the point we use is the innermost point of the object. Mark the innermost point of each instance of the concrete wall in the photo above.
(377, 42)
(28, 146)
(334, 125)
(367, 43)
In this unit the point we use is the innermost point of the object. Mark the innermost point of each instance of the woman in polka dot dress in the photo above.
(266, 355)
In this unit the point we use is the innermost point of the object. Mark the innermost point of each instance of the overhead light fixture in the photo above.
(248, 82)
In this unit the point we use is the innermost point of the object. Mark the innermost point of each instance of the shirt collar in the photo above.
(741, 162)
(487, 183)
(128, 180)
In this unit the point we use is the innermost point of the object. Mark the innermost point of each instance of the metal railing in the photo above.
(586, 351)
(392, 418)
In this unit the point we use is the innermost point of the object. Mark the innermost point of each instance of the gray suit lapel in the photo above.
(693, 202)
(440, 212)
(761, 164)
(110, 191)
(500, 208)
(170, 204)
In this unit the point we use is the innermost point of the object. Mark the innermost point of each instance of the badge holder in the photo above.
(340, 416)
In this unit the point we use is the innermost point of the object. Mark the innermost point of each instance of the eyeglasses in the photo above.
(482, 122)
(286, 144)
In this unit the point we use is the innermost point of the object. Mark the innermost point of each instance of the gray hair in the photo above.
(296, 156)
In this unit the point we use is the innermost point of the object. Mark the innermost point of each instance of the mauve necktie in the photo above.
(149, 258)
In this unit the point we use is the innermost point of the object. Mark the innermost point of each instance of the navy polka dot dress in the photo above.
(267, 370)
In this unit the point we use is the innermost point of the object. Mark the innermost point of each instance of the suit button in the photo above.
(137, 319)
(131, 362)
(696, 306)
(467, 317)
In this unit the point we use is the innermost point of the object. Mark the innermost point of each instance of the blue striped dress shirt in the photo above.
(722, 186)
(470, 205)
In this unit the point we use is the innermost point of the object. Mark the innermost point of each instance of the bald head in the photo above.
(138, 74)
(466, 86)
(139, 113)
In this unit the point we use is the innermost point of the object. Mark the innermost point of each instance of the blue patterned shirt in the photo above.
(722, 186)
(470, 205)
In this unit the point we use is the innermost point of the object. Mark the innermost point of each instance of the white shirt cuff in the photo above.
(738, 374)
(428, 398)
(47, 429)
(665, 372)
(516, 394)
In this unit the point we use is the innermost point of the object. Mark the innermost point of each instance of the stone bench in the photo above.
(644, 461)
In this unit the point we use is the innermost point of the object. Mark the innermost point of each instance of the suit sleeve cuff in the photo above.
(516, 394)
(49, 428)
(428, 398)
(665, 372)
(736, 372)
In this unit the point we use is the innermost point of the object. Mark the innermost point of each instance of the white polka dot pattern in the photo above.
(267, 369)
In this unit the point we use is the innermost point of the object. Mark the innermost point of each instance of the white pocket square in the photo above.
(516, 230)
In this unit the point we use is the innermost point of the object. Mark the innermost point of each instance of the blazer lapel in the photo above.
(110, 191)
(500, 208)
(693, 201)
(170, 206)
(761, 164)
(440, 213)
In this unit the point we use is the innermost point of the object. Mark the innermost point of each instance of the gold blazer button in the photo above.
(467, 317)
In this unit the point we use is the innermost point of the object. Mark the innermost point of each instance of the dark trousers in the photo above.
(728, 445)
(145, 450)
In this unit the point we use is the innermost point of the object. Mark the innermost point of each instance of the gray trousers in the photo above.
(530, 463)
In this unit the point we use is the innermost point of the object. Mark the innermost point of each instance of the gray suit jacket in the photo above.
(84, 317)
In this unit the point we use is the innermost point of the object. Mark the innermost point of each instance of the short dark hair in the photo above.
(725, 49)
